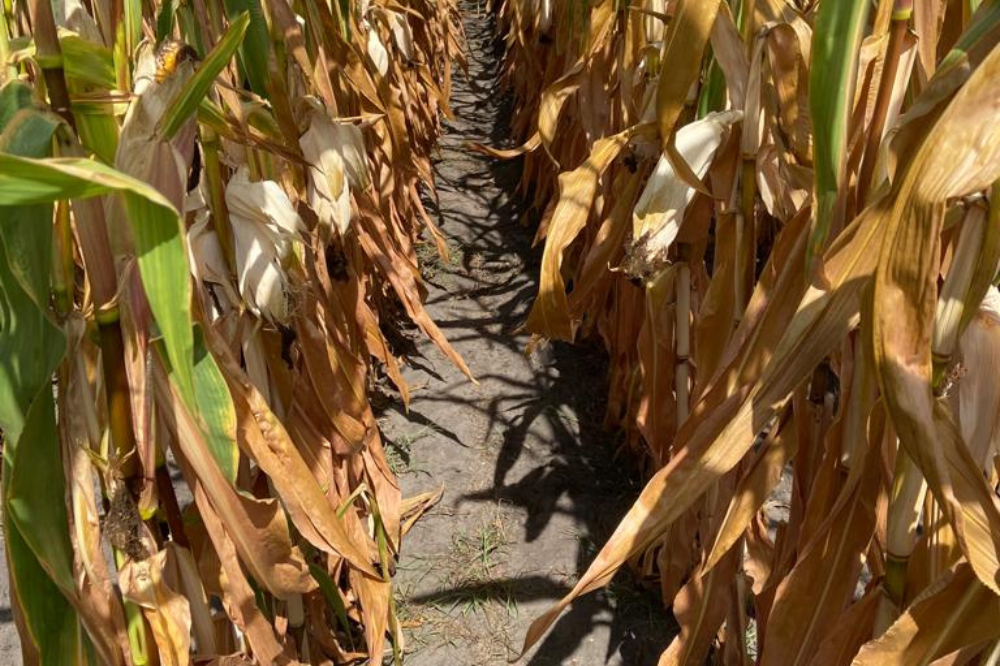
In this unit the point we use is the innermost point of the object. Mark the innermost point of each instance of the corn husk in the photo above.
(265, 227)
(659, 211)
(336, 156)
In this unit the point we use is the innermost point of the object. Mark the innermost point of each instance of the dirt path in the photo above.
(531, 488)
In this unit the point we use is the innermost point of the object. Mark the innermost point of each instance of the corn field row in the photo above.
(778, 216)
(780, 219)
(208, 220)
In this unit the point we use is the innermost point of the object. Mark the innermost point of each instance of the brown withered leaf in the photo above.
(377, 245)
(166, 611)
(823, 580)
(238, 598)
(549, 315)
(412, 508)
(955, 612)
(687, 38)
(266, 441)
(853, 628)
(754, 488)
(904, 301)
(700, 608)
(257, 527)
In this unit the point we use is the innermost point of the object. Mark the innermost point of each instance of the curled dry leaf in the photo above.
(402, 34)
(168, 613)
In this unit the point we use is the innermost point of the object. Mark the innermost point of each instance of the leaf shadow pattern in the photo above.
(549, 453)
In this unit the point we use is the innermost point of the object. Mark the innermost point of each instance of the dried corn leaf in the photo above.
(904, 303)
(955, 612)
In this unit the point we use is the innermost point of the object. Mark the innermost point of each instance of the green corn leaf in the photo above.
(156, 229)
(215, 409)
(90, 68)
(332, 594)
(832, 73)
(165, 20)
(194, 92)
(39, 554)
(713, 94)
(97, 128)
(133, 24)
(215, 406)
(28, 132)
(14, 97)
(87, 62)
(50, 623)
(253, 54)
(83, 61)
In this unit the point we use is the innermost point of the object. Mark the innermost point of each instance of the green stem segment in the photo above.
(135, 625)
(210, 148)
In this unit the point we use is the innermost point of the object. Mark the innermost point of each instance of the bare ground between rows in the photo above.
(532, 486)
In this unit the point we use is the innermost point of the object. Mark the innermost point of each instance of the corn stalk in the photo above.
(809, 188)
(209, 215)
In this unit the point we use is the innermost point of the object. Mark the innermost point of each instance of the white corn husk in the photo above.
(141, 151)
(265, 226)
(337, 162)
(208, 263)
(657, 215)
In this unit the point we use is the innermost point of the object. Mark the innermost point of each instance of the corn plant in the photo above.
(208, 210)
(781, 220)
